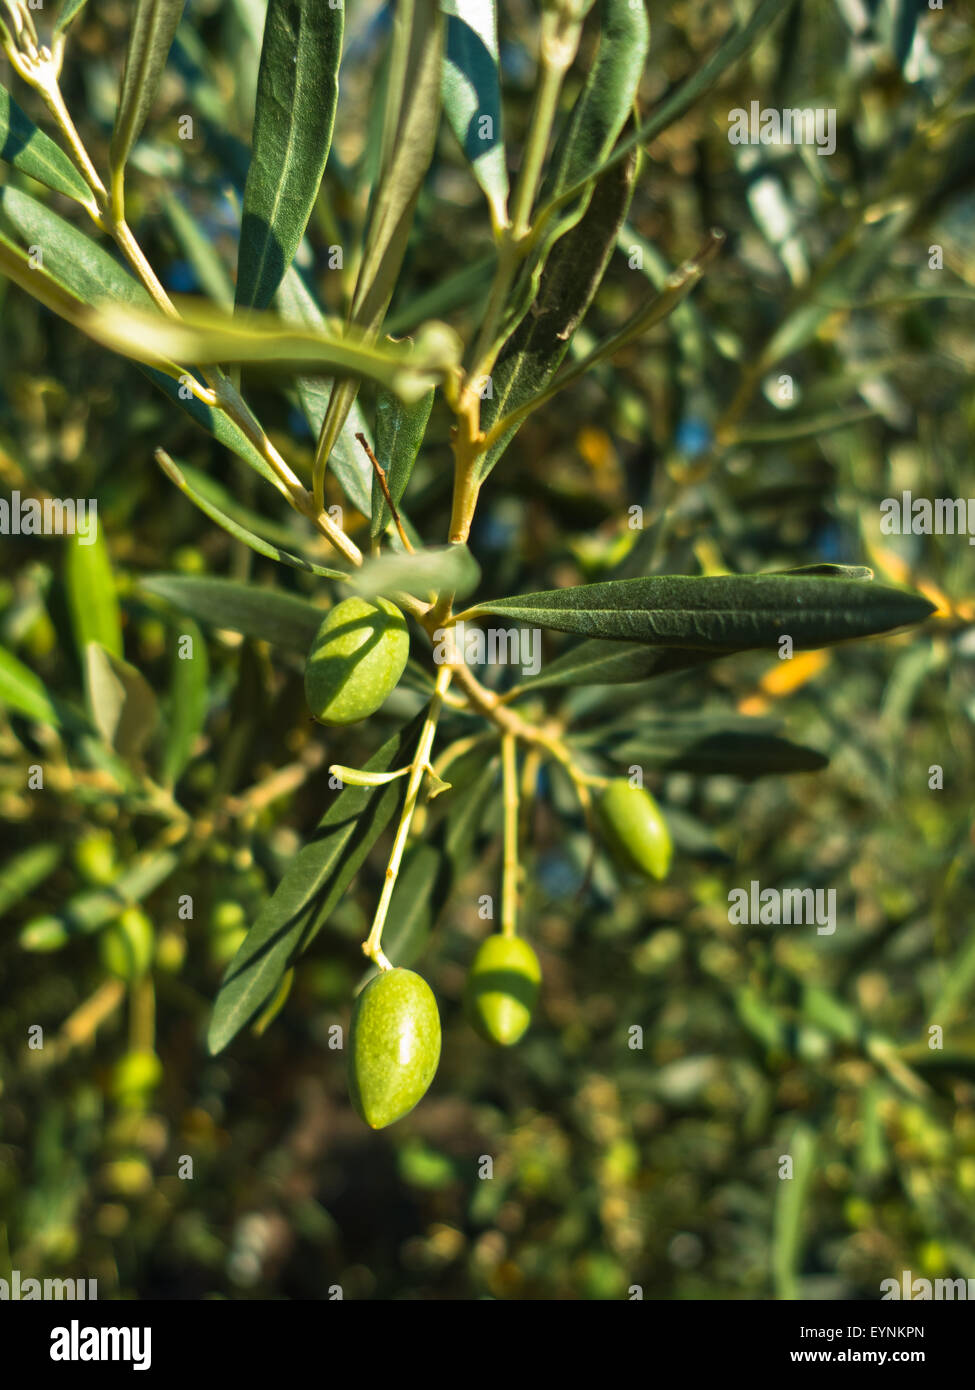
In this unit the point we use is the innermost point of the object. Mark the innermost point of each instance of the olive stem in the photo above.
(418, 770)
(509, 880)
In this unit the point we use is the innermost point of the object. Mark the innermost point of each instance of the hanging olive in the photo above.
(356, 660)
(127, 945)
(634, 829)
(502, 987)
(394, 1046)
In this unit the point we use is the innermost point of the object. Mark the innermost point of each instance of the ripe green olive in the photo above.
(634, 829)
(394, 1046)
(127, 945)
(502, 988)
(356, 660)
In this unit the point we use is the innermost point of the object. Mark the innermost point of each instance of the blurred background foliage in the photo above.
(614, 1166)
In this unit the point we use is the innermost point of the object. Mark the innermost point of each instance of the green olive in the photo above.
(136, 1076)
(394, 1046)
(127, 945)
(502, 987)
(634, 829)
(356, 660)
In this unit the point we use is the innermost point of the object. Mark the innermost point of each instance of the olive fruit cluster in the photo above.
(356, 660)
(634, 830)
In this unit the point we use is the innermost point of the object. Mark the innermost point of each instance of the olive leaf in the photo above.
(208, 335)
(68, 12)
(599, 661)
(605, 103)
(738, 42)
(122, 703)
(189, 698)
(314, 883)
(25, 872)
(24, 692)
(399, 433)
(572, 274)
(93, 275)
(718, 613)
(732, 752)
(235, 529)
(92, 599)
(411, 120)
(450, 567)
(471, 92)
(269, 615)
(30, 151)
(154, 25)
(297, 90)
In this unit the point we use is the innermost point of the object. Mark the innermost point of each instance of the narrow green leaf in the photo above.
(206, 336)
(235, 529)
(92, 600)
(450, 567)
(791, 1198)
(69, 11)
(25, 872)
(572, 274)
(32, 152)
(123, 705)
(606, 101)
(411, 122)
(737, 43)
(720, 613)
(266, 614)
(154, 25)
(23, 692)
(189, 698)
(597, 661)
(314, 883)
(732, 752)
(297, 89)
(471, 91)
(399, 433)
(93, 275)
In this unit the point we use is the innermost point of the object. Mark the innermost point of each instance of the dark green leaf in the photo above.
(399, 433)
(719, 613)
(599, 662)
(572, 274)
(32, 152)
(733, 752)
(297, 89)
(314, 883)
(606, 101)
(266, 614)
